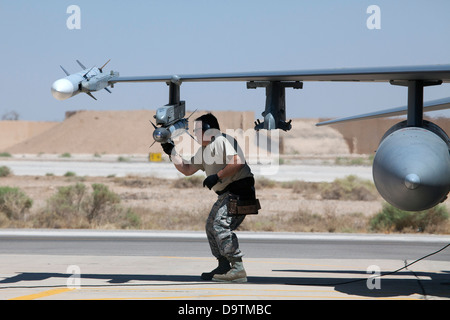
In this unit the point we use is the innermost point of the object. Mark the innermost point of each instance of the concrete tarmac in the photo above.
(286, 172)
(47, 265)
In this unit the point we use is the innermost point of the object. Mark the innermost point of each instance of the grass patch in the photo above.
(140, 182)
(188, 182)
(391, 219)
(93, 206)
(348, 188)
(350, 161)
(305, 221)
(263, 183)
(177, 220)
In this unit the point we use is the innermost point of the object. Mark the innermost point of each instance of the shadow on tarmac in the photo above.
(422, 283)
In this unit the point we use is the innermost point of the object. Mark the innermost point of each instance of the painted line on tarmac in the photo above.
(43, 294)
(44, 234)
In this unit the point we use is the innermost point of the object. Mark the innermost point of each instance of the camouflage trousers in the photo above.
(219, 230)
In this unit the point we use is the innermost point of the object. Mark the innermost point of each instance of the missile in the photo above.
(87, 81)
(411, 168)
(164, 134)
(171, 122)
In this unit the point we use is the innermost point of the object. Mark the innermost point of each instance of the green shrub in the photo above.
(14, 202)
(101, 200)
(123, 159)
(64, 209)
(5, 171)
(131, 220)
(393, 219)
(74, 207)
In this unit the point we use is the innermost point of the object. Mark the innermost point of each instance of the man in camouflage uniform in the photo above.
(227, 172)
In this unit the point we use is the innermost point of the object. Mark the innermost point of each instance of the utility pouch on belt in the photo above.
(242, 207)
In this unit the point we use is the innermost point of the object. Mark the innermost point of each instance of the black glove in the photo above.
(168, 147)
(211, 181)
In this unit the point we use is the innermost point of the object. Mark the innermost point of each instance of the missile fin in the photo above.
(65, 71)
(81, 65)
(91, 95)
(101, 68)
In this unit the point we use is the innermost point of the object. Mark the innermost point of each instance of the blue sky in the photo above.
(199, 36)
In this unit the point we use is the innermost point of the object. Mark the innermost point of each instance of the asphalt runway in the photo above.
(144, 265)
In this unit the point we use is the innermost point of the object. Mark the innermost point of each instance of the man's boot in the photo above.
(222, 268)
(236, 274)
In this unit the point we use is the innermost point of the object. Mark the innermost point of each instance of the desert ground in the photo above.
(129, 133)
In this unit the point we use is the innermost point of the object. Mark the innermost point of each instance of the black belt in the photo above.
(244, 186)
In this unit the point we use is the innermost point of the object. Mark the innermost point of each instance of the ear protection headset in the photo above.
(205, 126)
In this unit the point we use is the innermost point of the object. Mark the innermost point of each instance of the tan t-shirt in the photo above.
(216, 155)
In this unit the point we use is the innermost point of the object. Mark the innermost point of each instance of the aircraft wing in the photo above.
(375, 74)
(434, 105)
(274, 81)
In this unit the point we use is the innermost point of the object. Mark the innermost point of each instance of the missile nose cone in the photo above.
(161, 135)
(62, 89)
(412, 181)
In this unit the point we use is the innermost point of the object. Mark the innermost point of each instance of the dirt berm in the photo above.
(130, 132)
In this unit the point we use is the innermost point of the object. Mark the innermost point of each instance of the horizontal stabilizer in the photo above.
(434, 105)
